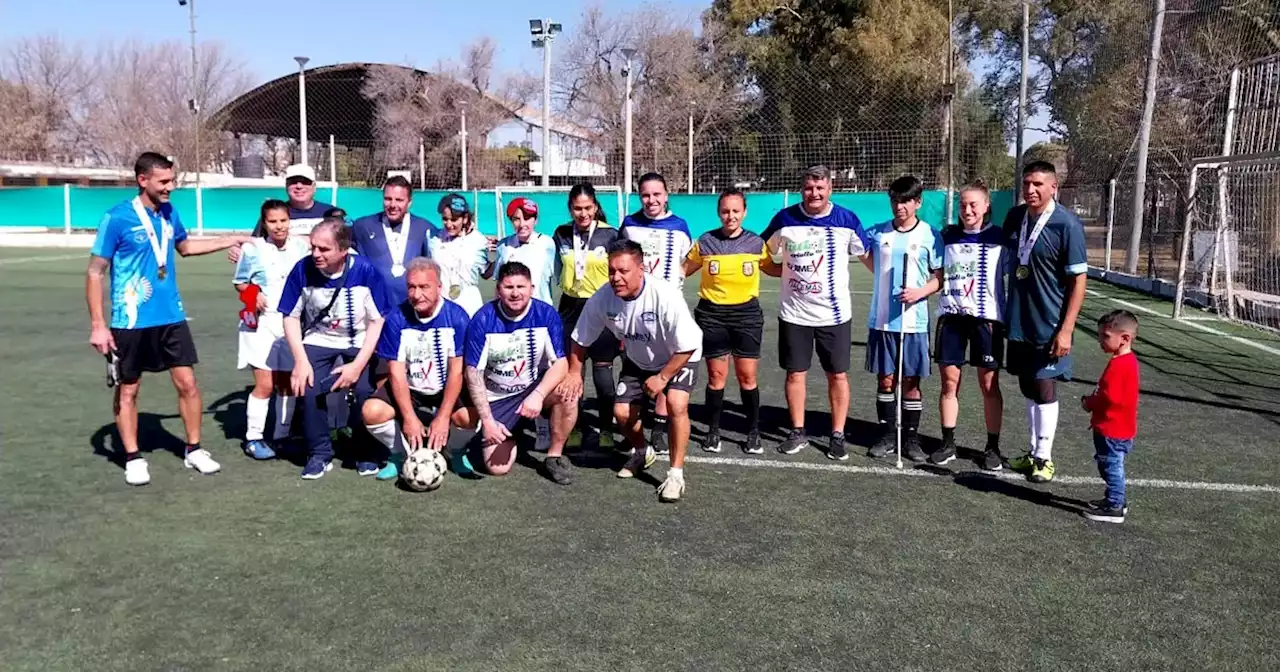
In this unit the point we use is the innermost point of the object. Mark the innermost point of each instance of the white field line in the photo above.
(1158, 483)
(60, 257)
(1194, 325)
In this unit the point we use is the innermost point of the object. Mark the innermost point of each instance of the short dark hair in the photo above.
(148, 161)
(513, 268)
(819, 173)
(1119, 320)
(730, 192)
(1040, 167)
(267, 206)
(906, 188)
(335, 212)
(398, 181)
(652, 177)
(625, 246)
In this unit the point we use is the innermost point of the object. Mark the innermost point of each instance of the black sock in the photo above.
(884, 411)
(659, 424)
(993, 441)
(135, 455)
(948, 434)
(192, 447)
(715, 405)
(751, 404)
(602, 378)
(911, 410)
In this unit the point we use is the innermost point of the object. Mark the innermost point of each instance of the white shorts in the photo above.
(265, 348)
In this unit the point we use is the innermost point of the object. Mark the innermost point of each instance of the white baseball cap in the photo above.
(300, 170)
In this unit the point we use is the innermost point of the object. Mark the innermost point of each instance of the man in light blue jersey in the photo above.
(899, 314)
(148, 330)
(665, 240)
(533, 249)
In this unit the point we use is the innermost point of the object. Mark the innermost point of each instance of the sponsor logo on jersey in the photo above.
(713, 267)
(649, 317)
(748, 268)
(801, 246)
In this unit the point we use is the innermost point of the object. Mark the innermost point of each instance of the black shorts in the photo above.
(960, 335)
(153, 349)
(427, 404)
(735, 329)
(605, 348)
(1032, 360)
(797, 342)
(631, 381)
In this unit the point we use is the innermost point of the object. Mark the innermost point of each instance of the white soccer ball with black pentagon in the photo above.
(424, 470)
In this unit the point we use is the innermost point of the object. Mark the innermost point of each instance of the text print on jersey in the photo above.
(808, 282)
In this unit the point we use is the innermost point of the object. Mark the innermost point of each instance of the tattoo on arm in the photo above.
(475, 385)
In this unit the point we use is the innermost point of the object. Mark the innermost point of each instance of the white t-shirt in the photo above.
(815, 253)
(653, 326)
(265, 265)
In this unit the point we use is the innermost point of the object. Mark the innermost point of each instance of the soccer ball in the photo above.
(424, 470)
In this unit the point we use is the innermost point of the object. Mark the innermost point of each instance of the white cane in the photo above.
(897, 376)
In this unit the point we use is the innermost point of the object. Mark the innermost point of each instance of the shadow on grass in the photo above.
(981, 482)
(152, 436)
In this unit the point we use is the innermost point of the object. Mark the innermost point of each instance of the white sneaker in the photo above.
(638, 462)
(201, 461)
(671, 489)
(136, 472)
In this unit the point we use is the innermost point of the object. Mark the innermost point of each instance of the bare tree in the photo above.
(44, 100)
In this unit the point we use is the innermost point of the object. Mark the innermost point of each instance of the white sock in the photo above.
(1033, 424)
(1046, 427)
(385, 433)
(255, 416)
(286, 410)
(676, 472)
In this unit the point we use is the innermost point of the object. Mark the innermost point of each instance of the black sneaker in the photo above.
(753, 446)
(836, 449)
(887, 444)
(991, 460)
(911, 449)
(658, 439)
(558, 470)
(591, 439)
(1102, 511)
(795, 442)
(944, 454)
(711, 443)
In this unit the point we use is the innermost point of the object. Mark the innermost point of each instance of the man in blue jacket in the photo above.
(391, 238)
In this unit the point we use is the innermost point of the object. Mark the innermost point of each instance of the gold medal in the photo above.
(161, 273)
(454, 292)
(1023, 272)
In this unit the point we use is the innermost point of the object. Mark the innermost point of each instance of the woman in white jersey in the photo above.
(527, 246)
(264, 263)
(971, 320)
(462, 252)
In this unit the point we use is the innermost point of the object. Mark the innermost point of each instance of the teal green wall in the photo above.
(237, 208)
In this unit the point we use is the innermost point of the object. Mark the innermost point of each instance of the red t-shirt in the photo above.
(1115, 401)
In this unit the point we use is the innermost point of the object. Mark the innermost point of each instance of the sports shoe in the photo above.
(911, 449)
(661, 445)
(366, 468)
(259, 450)
(753, 446)
(1102, 511)
(639, 462)
(944, 454)
(389, 472)
(836, 449)
(711, 443)
(1041, 472)
(201, 461)
(574, 440)
(136, 472)
(795, 442)
(316, 469)
(886, 444)
(991, 460)
(671, 489)
(1022, 462)
(558, 470)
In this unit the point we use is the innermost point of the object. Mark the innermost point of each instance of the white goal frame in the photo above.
(601, 191)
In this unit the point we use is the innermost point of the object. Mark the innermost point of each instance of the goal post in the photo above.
(553, 205)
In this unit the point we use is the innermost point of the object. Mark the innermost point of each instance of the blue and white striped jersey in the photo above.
(361, 297)
(513, 352)
(923, 251)
(815, 253)
(665, 241)
(424, 344)
(974, 267)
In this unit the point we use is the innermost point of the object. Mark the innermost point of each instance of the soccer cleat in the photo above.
(911, 449)
(316, 469)
(1022, 462)
(711, 443)
(366, 468)
(557, 469)
(836, 449)
(944, 454)
(259, 450)
(795, 442)
(1041, 472)
(991, 461)
(1102, 511)
(136, 472)
(639, 462)
(753, 446)
(884, 446)
(575, 439)
(389, 472)
(671, 489)
(201, 461)
(661, 445)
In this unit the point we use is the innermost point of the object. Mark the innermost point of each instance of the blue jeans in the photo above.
(316, 403)
(1109, 454)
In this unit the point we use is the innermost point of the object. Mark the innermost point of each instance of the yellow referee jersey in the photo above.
(730, 266)
(596, 273)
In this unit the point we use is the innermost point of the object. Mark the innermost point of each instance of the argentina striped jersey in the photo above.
(974, 267)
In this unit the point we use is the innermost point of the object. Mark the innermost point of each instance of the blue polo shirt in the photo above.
(139, 297)
(1035, 304)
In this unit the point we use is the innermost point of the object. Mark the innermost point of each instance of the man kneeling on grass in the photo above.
(514, 357)
(420, 366)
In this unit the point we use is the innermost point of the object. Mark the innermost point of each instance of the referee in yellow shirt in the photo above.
(729, 313)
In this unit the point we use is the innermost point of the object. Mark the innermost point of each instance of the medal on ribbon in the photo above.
(159, 244)
(1023, 272)
(454, 292)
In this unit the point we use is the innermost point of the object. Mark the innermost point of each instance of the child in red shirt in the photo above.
(1114, 405)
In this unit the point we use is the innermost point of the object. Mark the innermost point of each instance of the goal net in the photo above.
(553, 205)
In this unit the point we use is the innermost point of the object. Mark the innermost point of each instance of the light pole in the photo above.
(194, 104)
(544, 31)
(302, 104)
(462, 137)
(628, 53)
(690, 183)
